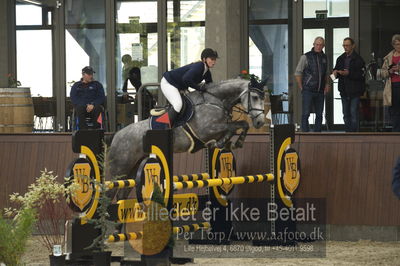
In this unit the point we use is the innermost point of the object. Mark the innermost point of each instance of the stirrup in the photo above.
(158, 111)
(172, 116)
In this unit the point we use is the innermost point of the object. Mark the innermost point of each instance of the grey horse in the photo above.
(211, 123)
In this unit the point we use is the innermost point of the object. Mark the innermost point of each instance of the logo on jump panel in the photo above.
(152, 175)
(291, 170)
(226, 169)
(84, 191)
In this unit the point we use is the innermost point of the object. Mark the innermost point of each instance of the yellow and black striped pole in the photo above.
(223, 181)
(192, 177)
(190, 228)
(125, 237)
(121, 183)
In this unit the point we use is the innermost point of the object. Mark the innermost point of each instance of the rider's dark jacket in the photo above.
(87, 93)
(188, 76)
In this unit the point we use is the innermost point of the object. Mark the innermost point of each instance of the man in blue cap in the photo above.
(87, 96)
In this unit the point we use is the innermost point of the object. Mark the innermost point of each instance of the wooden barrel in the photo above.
(16, 110)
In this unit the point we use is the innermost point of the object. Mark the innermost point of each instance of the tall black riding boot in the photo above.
(172, 115)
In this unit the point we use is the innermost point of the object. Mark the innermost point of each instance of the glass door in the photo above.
(269, 43)
(85, 45)
(378, 24)
(308, 39)
(34, 39)
(185, 31)
(338, 36)
(334, 27)
(136, 57)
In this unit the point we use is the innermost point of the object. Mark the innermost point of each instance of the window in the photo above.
(268, 43)
(34, 50)
(136, 55)
(186, 31)
(378, 23)
(84, 40)
(335, 8)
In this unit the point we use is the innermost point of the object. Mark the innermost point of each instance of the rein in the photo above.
(222, 106)
(249, 106)
(228, 109)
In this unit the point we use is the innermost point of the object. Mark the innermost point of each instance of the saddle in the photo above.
(159, 116)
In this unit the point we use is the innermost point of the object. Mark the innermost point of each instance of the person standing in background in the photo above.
(350, 68)
(391, 73)
(130, 72)
(311, 77)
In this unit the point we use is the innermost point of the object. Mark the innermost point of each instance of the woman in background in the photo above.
(391, 72)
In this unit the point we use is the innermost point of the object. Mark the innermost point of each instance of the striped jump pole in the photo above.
(223, 181)
(125, 237)
(192, 177)
(121, 183)
(190, 228)
(177, 178)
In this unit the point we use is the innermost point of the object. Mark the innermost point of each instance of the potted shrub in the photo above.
(47, 197)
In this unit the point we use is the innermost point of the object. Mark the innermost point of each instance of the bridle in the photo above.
(250, 108)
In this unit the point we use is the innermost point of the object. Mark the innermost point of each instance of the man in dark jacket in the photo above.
(311, 77)
(87, 97)
(350, 71)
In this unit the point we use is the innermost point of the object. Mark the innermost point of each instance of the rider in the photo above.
(187, 76)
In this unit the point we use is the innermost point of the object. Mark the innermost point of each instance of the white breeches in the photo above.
(172, 94)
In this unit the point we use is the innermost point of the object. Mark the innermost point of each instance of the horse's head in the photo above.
(252, 99)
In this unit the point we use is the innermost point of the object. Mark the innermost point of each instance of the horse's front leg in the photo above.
(231, 129)
(239, 142)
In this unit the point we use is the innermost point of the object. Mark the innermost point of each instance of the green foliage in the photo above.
(47, 197)
(157, 195)
(12, 81)
(14, 234)
(44, 188)
(101, 220)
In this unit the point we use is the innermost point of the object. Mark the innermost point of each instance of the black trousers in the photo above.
(81, 115)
